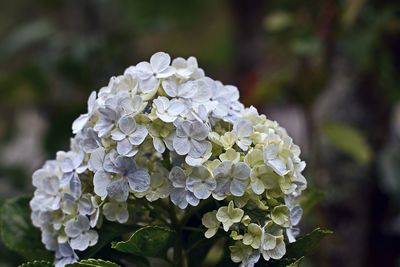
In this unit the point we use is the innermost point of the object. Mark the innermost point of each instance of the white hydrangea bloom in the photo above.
(165, 130)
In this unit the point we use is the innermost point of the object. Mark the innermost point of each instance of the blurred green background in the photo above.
(328, 71)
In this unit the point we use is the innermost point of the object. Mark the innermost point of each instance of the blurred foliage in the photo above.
(348, 140)
(335, 63)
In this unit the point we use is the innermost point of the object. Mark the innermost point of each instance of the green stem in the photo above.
(193, 229)
(178, 249)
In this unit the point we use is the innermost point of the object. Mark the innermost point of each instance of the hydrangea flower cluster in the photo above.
(165, 130)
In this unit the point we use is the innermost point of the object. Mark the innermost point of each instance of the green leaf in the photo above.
(349, 140)
(296, 263)
(37, 264)
(305, 244)
(17, 232)
(108, 232)
(93, 263)
(296, 251)
(284, 262)
(149, 241)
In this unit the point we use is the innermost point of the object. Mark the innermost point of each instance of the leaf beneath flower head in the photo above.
(17, 232)
(149, 241)
(92, 263)
(37, 264)
(304, 245)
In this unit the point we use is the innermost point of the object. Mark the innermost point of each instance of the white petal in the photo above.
(187, 90)
(170, 87)
(124, 147)
(144, 70)
(91, 102)
(238, 187)
(278, 166)
(184, 129)
(241, 170)
(159, 61)
(223, 169)
(67, 165)
(79, 243)
(139, 181)
(118, 190)
(177, 177)
(158, 145)
(117, 135)
(176, 108)
(166, 117)
(181, 145)
(178, 197)
(92, 237)
(270, 152)
(199, 131)
(295, 215)
(75, 186)
(169, 71)
(201, 191)
(191, 199)
(148, 86)
(198, 149)
(243, 128)
(79, 123)
(100, 181)
(127, 125)
(257, 186)
(137, 137)
(122, 216)
(97, 159)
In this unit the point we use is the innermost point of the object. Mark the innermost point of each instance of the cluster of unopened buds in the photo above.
(164, 131)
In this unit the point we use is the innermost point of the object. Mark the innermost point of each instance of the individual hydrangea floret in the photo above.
(229, 215)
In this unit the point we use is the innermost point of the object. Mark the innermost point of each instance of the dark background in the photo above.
(328, 71)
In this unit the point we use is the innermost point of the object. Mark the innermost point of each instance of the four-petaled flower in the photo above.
(210, 221)
(127, 175)
(232, 178)
(180, 194)
(79, 232)
(229, 215)
(128, 135)
(272, 159)
(201, 182)
(190, 139)
(243, 130)
(168, 110)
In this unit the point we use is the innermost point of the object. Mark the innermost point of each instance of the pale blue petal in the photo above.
(138, 136)
(127, 125)
(124, 147)
(238, 187)
(139, 181)
(181, 145)
(118, 190)
(101, 180)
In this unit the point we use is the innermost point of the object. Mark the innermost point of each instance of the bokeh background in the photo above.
(328, 71)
